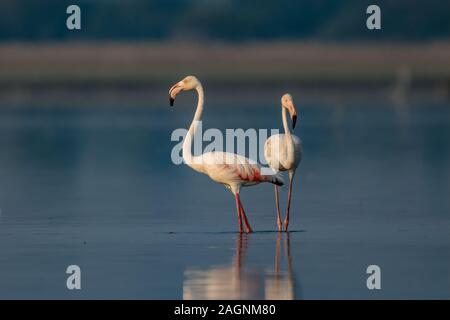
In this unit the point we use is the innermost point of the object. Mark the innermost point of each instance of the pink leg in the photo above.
(238, 207)
(286, 220)
(277, 203)
(247, 225)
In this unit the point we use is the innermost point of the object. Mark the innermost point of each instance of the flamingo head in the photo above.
(188, 83)
(288, 103)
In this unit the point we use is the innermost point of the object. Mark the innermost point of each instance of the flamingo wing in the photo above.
(232, 169)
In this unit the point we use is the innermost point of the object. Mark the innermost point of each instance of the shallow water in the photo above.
(96, 187)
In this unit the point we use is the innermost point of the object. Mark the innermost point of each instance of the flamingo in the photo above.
(283, 152)
(229, 169)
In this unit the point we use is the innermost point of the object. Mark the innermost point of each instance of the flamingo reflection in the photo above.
(235, 281)
(279, 285)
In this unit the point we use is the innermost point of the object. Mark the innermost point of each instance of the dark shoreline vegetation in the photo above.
(122, 63)
(133, 68)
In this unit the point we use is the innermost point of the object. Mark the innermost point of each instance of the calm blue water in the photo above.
(96, 187)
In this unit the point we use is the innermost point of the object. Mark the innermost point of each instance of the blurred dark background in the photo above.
(321, 46)
(225, 20)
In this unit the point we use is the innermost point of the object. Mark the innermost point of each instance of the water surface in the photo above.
(96, 187)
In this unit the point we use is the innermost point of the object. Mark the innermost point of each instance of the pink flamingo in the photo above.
(229, 169)
(283, 152)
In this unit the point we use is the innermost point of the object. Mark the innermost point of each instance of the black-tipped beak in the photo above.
(294, 121)
(173, 93)
(290, 106)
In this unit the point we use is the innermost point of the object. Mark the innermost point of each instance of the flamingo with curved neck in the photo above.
(229, 169)
(283, 152)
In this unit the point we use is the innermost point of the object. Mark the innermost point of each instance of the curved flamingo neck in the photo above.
(289, 142)
(187, 144)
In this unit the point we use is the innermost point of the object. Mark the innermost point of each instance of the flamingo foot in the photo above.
(286, 225)
(239, 213)
(280, 225)
(288, 210)
(277, 204)
(248, 229)
(280, 229)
